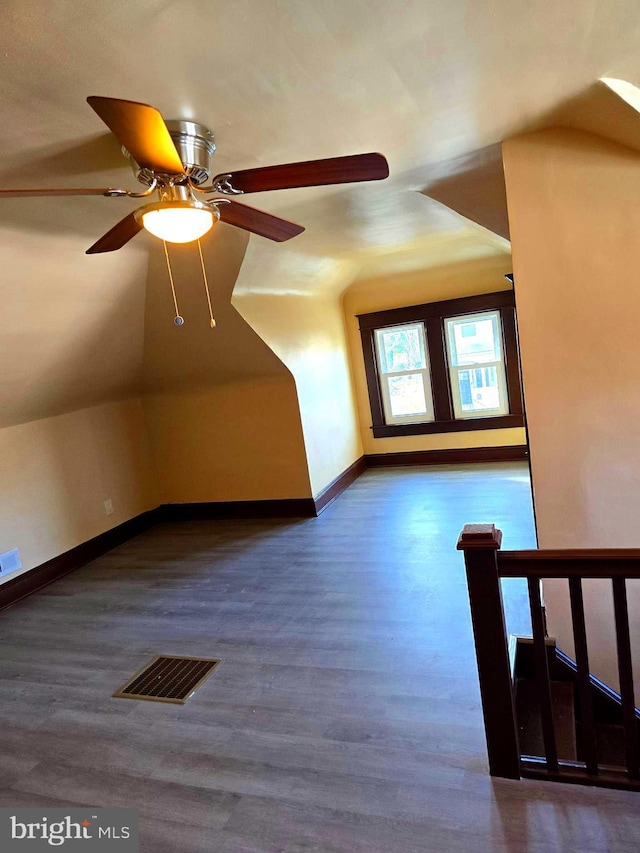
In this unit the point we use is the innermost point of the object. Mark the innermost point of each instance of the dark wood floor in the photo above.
(345, 716)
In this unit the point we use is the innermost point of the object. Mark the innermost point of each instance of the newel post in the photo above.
(480, 543)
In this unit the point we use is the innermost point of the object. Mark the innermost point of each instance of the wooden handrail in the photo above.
(598, 563)
(572, 553)
(486, 565)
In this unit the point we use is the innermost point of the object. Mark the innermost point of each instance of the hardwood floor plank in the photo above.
(257, 778)
(306, 827)
(154, 798)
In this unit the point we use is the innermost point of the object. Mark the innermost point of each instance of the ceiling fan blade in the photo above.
(311, 173)
(55, 192)
(116, 238)
(264, 224)
(142, 131)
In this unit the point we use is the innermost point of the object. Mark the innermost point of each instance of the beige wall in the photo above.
(221, 408)
(575, 220)
(480, 275)
(293, 302)
(241, 441)
(57, 472)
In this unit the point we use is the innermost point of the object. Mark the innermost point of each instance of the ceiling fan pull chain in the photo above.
(178, 320)
(212, 322)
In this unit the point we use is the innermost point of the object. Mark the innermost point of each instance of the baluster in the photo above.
(542, 674)
(625, 671)
(480, 543)
(587, 717)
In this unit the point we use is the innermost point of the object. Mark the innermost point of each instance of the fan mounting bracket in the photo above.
(222, 184)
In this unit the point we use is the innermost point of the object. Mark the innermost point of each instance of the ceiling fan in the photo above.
(173, 159)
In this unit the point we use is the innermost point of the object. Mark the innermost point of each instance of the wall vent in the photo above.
(10, 562)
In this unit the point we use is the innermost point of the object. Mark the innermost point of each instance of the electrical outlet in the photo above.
(10, 562)
(108, 506)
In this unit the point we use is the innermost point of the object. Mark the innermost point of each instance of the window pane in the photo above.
(479, 390)
(405, 380)
(401, 348)
(474, 342)
(407, 395)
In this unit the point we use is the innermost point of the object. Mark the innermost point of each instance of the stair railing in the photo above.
(486, 565)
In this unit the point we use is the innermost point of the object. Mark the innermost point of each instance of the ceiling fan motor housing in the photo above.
(196, 146)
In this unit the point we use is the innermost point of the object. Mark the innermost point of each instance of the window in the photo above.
(405, 378)
(480, 392)
(444, 366)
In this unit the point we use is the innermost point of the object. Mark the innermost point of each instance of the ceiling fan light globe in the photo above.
(178, 224)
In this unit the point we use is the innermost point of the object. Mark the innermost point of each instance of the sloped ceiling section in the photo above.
(609, 108)
(474, 185)
(72, 330)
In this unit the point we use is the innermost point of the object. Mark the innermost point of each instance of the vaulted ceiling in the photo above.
(429, 84)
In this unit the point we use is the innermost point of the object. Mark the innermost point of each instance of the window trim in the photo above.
(433, 314)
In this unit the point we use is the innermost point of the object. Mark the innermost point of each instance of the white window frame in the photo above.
(454, 370)
(425, 373)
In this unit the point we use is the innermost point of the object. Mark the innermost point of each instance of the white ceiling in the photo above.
(278, 81)
(426, 82)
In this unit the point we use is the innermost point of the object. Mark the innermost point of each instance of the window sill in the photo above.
(500, 422)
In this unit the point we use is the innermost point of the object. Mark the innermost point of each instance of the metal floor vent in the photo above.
(168, 678)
